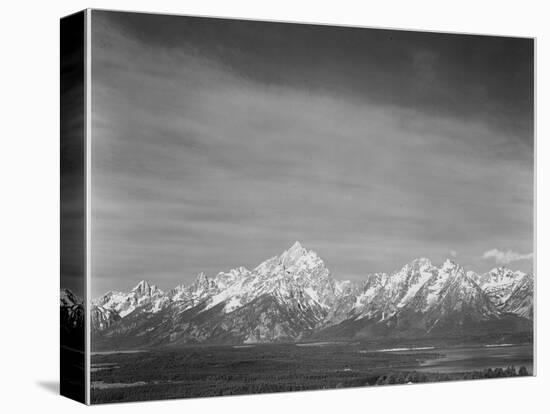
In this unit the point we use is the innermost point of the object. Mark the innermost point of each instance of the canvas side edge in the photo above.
(72, 209)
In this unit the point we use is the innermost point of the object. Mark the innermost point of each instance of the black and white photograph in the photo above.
(283, 207)
(275, 207)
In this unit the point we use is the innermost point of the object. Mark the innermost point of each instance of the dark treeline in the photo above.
(222, 385)
(210, 371)
(417, 377)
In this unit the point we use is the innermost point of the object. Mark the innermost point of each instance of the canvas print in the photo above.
(279, 207)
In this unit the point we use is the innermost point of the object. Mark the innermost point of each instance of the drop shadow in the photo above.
(50, 386)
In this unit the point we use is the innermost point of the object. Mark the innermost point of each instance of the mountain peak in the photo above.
(144, 287)
(296, 247)
(203, 281)
(68, 298)
(142, 284)
(449, 264)
(295, 293)
(501, 270)
(421, 262)
(292, 254)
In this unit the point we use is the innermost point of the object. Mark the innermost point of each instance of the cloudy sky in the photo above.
(218, 143)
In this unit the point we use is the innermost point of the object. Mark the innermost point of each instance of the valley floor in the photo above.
(201, 371)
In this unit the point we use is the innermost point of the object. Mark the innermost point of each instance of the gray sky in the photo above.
(219, 143)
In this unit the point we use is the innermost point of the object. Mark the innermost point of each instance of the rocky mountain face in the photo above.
(520, 301)
(102, 318)
(71, 320)
(142, 296)
(499, 283)
(71, 310)
(293, 297)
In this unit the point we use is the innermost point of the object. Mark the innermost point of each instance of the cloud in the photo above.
(505, 257)
(453, 253)
(199, 166)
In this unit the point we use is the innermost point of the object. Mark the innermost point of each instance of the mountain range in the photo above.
(292, 297)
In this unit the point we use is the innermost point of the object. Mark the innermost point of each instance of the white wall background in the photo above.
(29, 203)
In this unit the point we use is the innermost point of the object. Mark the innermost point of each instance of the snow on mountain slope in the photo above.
(282, 298)
(296, 275)
(143, 295)
(72, 310)
(102, 318)
(499, 283)
(293, 296)
(71, 320)
(449, 299)
(297, 281)
(190, 296)
(520, 301)
(384, 294)
(68, 298)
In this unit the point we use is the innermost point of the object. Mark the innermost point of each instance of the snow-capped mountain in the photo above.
(297, 277)
(71, 320)
(520, 301)
(383, 294)
(281, 299)
(449, 300)
(72, 310)
(102, 317)
(143, 295)
(499, 283)
(293, 297)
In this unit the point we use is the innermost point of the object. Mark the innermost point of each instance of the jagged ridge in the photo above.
(293, 297)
